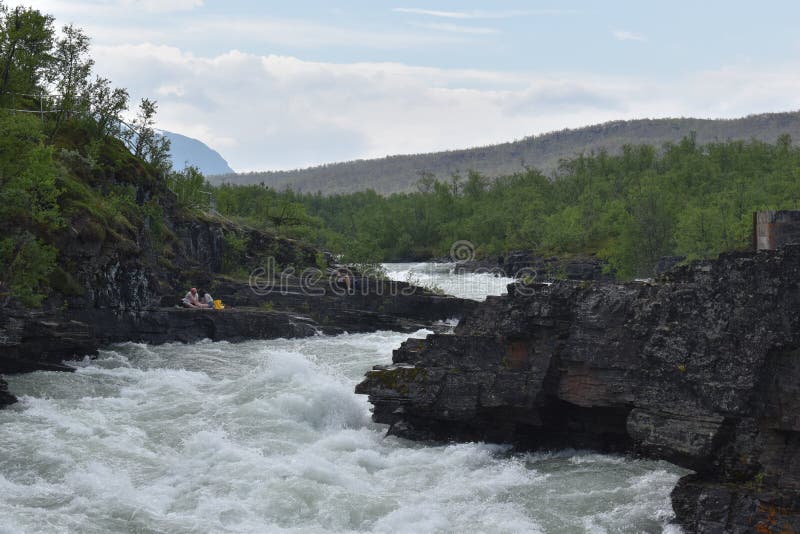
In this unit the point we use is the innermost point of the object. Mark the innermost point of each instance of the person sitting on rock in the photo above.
(343, 276)
(207, 301)
(192, 300)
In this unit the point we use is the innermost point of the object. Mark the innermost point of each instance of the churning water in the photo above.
(440, 276)
(268, 436)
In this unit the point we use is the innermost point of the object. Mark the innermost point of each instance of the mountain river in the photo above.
(268, 436)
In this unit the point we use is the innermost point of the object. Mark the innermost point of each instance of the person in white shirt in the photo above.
(192, 300)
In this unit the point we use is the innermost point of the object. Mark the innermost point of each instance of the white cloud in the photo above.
(308, 34)
(273, 112)
(121, 22)
(161, 6)
(96, 8)
(623, 35)
(456, 28)
(264, 30)
(168, 90)
(478, 14)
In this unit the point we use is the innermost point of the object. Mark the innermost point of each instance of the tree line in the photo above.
(395, 174)
(630, 209)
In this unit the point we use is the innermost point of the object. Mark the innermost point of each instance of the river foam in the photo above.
(268, 436)
(475, 286)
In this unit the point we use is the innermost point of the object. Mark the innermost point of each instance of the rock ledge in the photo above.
(701, 368)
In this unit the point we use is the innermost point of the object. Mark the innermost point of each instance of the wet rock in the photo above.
(6, 398)
(368, 302)
(700, 368)
(665, 263)
(541, 268)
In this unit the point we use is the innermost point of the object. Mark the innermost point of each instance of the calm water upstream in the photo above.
(268, 436)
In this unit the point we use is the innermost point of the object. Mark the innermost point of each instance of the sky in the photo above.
(289, 84)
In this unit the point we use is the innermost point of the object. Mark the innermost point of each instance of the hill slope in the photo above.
(399, 173)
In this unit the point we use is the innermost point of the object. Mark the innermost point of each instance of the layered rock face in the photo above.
(40, 340)
(701, 368)
(34, 342)
(541, 268)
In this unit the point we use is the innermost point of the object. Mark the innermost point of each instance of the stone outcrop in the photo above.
(774, 229)
(34, 341)
(369, 305)
(541, 268)
(700, 368)
(6, 398)
(42, 340)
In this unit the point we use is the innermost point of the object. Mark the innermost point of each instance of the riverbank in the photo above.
(40, 340)
(699, 368)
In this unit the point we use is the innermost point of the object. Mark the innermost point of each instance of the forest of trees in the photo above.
(631, 209)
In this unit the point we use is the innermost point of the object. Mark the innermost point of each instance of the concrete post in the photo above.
(772, 229)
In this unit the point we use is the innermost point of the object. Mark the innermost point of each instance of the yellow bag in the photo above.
(218, 305)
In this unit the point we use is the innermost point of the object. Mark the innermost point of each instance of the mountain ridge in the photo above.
(186, 151)
(399, 173)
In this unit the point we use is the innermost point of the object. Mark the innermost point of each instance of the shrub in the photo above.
(25, 265)
(233, 256)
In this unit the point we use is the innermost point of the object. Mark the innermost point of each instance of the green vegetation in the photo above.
(26, 263)
(631, 208)
(188, 186)
(396, 174)
(235, 247)
(71, 170)
(29, 209)
(63, 157)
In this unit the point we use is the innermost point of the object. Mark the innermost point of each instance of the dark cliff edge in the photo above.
(700, 368)
(32, 340)
(528, 264)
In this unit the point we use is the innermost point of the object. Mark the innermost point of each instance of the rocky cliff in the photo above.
(527, 264)
(125, 307)
(701, 368)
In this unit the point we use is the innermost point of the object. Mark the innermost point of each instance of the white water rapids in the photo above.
(440, 276)
(268, 436)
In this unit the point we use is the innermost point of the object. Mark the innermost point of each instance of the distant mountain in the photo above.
(187, 151)
(400, 173)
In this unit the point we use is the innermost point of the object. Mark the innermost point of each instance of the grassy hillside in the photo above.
(400, 173)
